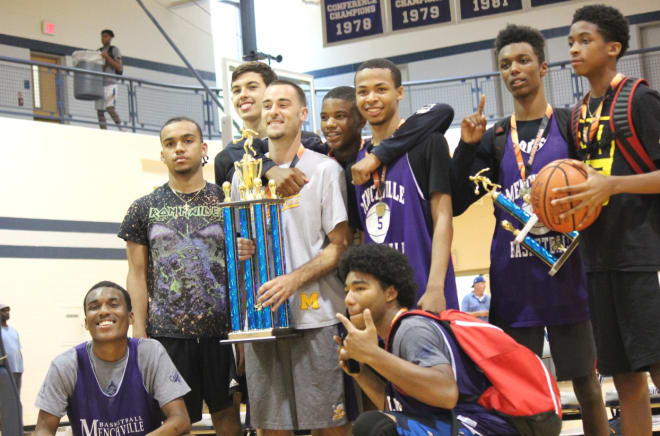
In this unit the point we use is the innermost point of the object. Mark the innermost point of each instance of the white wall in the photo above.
(78, 23)
(58, 172)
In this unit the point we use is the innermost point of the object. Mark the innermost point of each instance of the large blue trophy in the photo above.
(528, 220)
(256, 215)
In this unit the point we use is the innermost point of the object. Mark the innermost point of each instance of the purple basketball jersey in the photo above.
(404, 223)
(130, 411)
(523, 294)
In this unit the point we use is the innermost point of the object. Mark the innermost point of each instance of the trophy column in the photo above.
(255, 216)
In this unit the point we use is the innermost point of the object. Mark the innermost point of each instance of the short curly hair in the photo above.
(387, 265)
(612, 25)
(513, 33)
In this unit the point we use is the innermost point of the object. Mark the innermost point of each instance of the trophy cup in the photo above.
(256, 215)
(528, 220)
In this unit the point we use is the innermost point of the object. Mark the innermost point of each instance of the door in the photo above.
(45, 90)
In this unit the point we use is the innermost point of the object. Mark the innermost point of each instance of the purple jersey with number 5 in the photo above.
(402, 219)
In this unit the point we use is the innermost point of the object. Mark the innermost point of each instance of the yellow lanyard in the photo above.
(588, 133)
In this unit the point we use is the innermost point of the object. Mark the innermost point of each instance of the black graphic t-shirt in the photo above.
(186, 275)
(626, 235)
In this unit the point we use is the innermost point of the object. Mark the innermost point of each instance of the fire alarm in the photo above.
(47, 28)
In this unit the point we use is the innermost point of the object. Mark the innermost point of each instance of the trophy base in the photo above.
(562, 259)
(261, 335)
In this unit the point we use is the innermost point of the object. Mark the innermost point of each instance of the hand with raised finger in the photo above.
(246, 248)
(360, 345)
(361, 170)
(275, 292)
(473, 126)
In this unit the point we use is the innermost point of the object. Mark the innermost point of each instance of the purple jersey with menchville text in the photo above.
(405, 223)
(523, 294)
(130, 411)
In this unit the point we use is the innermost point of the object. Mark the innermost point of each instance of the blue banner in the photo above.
(350, 19)
(546, 2)
(407, 14)
(480, 8)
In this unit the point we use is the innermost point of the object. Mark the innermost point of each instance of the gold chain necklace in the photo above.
(186, 207)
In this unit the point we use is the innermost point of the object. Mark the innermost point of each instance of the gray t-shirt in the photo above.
(419, 340)
(12, 348)
(307, 218)
(159, 375)
(107, 68)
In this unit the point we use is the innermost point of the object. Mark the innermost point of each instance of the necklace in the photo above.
(186, 206)
(589, 131)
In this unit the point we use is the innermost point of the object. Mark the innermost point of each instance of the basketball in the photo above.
(557, 174)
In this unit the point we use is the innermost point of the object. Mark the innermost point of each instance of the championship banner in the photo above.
(546, 2)
(407, 14)
(349, 19)
(481, 8)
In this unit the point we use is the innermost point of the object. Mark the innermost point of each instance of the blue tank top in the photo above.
(405, 223)
(471, 384)
(523, 294)
(130, 411)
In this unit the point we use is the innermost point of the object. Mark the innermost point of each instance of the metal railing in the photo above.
(563, 87)
(45, 91)
(143, 105)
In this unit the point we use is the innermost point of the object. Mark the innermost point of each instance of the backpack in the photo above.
(621, 126)
(111, 54)
(522, 390)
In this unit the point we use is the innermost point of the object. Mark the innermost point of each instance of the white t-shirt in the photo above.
(307, 218)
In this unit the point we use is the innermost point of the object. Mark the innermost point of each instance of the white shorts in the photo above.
(110, 99)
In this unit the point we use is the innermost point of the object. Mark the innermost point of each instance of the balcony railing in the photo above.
(45, 91)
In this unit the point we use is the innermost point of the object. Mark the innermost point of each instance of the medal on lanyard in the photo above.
(525, 169)
(381, 207)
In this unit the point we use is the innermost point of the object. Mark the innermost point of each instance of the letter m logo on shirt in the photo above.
(86, 431)
(309, 301)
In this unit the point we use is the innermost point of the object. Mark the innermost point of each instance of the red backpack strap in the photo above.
(623, 129)
(397, 320)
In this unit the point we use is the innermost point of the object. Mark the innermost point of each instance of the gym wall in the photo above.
(66, 189)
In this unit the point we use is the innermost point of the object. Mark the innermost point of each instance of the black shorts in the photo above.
(625, 312)
(571, 345)
(206, 366)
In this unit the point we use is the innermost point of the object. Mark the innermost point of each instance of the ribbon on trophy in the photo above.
(528, 220)
(256, 215)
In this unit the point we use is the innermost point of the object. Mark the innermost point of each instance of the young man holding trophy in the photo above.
(294, 382)
(525, 299)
